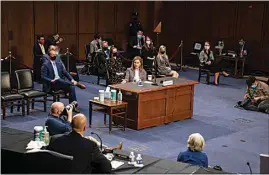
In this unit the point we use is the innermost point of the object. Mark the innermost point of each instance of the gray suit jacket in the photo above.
(94, 47)
(129, 76)
(204, 58)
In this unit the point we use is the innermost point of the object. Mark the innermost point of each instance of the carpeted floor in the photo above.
(233, 136)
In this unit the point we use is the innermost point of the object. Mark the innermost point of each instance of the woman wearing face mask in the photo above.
(257, 95)
(114, 67)
(136, 71)
(163, 65)
(207, 61)
(148, 54)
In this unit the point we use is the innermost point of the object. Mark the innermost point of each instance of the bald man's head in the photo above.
(57, 108)
(79, 122)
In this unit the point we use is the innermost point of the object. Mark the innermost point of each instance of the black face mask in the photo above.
(115, 54)
(53, 58)
(162, 52)
(105, 48)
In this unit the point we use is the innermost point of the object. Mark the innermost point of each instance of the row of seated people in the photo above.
(108, 60)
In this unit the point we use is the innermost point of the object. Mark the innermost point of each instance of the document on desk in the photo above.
(115, 164)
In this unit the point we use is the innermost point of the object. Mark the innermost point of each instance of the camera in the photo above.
(72, 105)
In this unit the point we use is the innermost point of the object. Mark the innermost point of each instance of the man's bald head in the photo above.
(52, 47)
(79, 122)
(57, 108)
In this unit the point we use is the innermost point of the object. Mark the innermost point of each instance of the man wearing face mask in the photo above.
(257, 96)
(56, 122)
(135, 44)
(39, 50)
(53, 74)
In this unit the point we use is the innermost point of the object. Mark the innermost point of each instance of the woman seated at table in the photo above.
(163, 65)
(207, 61)
(136, 71)
(114, 67)
(148, 54)
(194, 155)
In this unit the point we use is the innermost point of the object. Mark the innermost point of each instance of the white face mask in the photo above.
(148, 42)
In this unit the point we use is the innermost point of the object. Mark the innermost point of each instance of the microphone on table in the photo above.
(248, 164)
(99, 139)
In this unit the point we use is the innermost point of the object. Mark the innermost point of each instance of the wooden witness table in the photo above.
(113, 109)
(156, 105)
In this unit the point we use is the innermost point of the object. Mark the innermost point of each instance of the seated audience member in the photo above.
(135, 44)
(220, 47)
(39, 49)
(114, 67)
(56, 122)
(95, 45)
(53, 74)
(207, 61)
(101, 57)
(87, 156)
(148, 54)
(194, 155)
(163, 65)
(257, 95)
(136, 71)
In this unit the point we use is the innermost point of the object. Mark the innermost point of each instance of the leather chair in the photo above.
(8, 97)
(25, 87)
(47, 162)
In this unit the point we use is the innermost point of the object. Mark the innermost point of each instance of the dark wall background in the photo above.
(200, 21)
(76, 22)
(188, 21)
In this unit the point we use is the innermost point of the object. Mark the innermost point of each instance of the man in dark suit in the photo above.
(243, 51)
(39, 49)
(87, 156)
(53, 73)
(134, 25)
(135, 44)
(95, 45)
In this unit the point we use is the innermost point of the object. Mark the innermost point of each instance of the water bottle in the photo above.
(132, 158)
(46, 136)
(119, 96)
(139, 160)
(107, 93)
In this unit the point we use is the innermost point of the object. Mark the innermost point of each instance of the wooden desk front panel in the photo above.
(159, 107)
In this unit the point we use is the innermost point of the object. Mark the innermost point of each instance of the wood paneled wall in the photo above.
(78, 21)
(75, 21)
(200, 21)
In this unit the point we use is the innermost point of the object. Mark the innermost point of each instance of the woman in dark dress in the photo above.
(207, 61)
(114, 67)
(148, 54)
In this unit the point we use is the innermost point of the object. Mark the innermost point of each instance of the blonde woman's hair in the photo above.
(160, 48)
(141, 62)
(196, 142)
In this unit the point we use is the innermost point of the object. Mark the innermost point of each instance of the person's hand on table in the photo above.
(123, 82)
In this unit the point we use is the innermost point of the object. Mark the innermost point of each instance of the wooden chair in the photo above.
(25, 87)
(8, 97)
